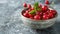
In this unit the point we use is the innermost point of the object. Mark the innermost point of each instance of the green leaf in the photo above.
(32, 12)
(35, 8)
(39, 9)
(36, 5)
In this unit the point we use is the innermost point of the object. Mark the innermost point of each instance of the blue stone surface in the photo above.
(10, 21)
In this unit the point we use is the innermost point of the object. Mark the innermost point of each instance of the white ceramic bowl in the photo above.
(38, 24)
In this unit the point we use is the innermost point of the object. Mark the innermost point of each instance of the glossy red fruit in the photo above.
(45, 13)
(45, 8)
(40, 6)
(24, 4)
(30, 15)
(26, 14)
(51, 15)
(45, 17)
(48, 11)
(27, 11)
(39, 13)
(47, 2)
(29, 6)
(32, 8)
(53, 11)
(37, 17)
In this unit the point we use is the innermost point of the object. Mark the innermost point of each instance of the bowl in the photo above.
(38, 24)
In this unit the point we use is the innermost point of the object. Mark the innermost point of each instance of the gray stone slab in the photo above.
(11, 23)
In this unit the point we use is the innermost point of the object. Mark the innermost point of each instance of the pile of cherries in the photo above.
(44, 13)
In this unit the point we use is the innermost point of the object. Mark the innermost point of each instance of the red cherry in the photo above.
(26, 15)
(45, 13)
(29, 6)
(30, 15)
(48, 11)
(45, 8)
(37, 17)
(27, 11)
(32, 8)
(53, 11)
(47, 2)
(51, 15)
(40, 6)
(37, 12)
(41, 13)
(45, 17)
(24, 4)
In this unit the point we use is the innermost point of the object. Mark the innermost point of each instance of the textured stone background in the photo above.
(10, 21)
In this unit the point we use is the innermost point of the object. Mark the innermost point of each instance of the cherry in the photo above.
(45, 8)
(27, 11)
(53, 11)
(29, 6)
(24, 4)
(47, 2)
(37, 17)
(32, 8)
(45, 17)
(26, 14)
(48, 11)
(30, 15)
(51, 15)
(45, 13)
(39, 13)
(40, 6)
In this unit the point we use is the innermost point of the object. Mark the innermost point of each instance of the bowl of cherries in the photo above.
(38, 16)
